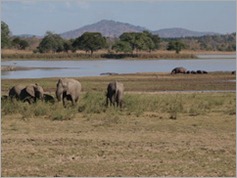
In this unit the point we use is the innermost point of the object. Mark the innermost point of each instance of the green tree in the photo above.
(122, 46)
(140, 41)
(20, 43)
(144, 42)
(5, 35)
(129, 37)
(51, 43)
(90, 41)
(155, 38)
(175, 45)
(67, 45)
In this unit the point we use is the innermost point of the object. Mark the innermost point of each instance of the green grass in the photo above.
(135, 104)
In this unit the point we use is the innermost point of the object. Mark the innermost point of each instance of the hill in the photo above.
(110, 28)
(180, 32)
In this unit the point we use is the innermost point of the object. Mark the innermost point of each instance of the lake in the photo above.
(67, 68)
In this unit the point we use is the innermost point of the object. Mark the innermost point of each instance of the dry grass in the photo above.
(156, 134)
(124, 143)
(8, 54)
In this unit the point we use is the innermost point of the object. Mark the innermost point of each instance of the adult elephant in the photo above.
(68, 89)
(115, 93)
(30, 93)
(178, 70)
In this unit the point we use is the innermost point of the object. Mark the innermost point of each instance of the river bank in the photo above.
(141, 82)
(80, 55)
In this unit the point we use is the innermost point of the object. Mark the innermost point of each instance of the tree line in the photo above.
(127, 43)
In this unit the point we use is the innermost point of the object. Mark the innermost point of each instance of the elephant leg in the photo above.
(107, 101)
(73, 102)
(65, 97)
(64, 101)
(113, 100)
(118, 98)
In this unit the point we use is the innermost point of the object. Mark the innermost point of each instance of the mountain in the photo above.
(28, 36)
(108, 28)
(180, 32)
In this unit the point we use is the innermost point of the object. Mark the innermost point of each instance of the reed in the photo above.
(96, 55)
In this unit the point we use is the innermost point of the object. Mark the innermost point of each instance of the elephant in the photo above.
(115, 94)
(201, 72)
(30, 93)
(48, 98)
(68, 89)
(15, 91)
(178, 70)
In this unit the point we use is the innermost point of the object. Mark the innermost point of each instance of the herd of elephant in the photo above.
(185, 71)
(66, 89)
(70, 89)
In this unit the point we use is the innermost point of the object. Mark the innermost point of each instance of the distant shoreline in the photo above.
(29, 55)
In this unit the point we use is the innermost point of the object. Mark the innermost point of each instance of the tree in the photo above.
(154, 38)
(51, 43)
(19, 43)
(90, 41)
(122, 46)
(67, 45)
(140, 41)
(144, 42)
(5, 35)
(175, 45)
(129, 37)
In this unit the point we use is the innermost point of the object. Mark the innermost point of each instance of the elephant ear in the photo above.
(30, 90)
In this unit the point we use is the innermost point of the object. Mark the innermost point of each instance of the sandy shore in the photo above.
(15, 68)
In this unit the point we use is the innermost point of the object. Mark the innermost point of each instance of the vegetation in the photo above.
(51, 43)
(180, 134)
(206, 43)
(130, 44)
(195, 130)
(20, 43)
(5, 35)
(90, 42)
(175, 45)
(138, 41)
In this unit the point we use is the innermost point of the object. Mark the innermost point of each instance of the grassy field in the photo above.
(159, 132)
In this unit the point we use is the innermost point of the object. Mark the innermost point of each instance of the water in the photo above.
(80, 68)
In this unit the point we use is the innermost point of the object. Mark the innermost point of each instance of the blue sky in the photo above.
(37, 17)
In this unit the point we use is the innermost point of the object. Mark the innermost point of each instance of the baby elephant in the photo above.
(31, 93)
(115, 93)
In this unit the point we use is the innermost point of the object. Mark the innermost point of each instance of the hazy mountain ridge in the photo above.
(180, 32)
(110, 28)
